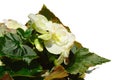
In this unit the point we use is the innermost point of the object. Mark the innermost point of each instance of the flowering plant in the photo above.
(43, 49)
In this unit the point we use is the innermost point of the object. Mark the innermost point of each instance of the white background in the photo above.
(95, 23)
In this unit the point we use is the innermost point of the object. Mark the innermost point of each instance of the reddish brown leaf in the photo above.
(6, 77)
(58, 72)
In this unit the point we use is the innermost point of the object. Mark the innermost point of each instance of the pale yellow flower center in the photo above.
(56, 37)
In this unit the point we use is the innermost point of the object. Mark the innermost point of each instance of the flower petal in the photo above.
(53, 48)
(39, 22)
(45, 36)
(12, 24)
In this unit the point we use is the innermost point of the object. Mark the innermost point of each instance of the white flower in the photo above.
(61, 40)
(40, 23)
(1, 63)
(56, 38)
(12, 24)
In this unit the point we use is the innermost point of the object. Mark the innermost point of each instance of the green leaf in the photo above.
(83, 59)
(2, 71)
(28, 32)
(28, 72)
(21, 33)
(13, 47)
(76, 46)
(24, 34)
(49, 15)
(20, 68)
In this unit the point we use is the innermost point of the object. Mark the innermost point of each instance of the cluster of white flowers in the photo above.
(57, 39)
